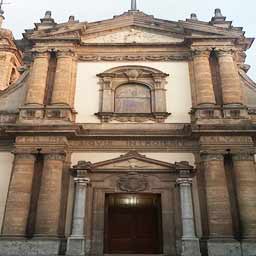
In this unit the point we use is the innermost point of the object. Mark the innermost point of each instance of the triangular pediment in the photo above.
(133, 161)
(131, 35)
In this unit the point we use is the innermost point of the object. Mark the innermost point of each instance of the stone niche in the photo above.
(132, 94)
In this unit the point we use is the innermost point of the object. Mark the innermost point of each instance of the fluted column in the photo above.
(203, 77)
(19, 196)
(190, 243)
(245, 177)
(62, 89)
(38, 79)
(217, 197)
(49, 202)
(76, 242)
(230, 81)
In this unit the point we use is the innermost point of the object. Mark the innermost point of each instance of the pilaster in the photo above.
(38, 79)
(77, 240)
(231, 85)
(49, 202)
(245, 180)
(190, 243)
(62, 88)
(19, 196)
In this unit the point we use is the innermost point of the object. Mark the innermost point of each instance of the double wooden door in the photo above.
(133, 224)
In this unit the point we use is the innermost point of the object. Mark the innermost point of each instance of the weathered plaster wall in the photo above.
(178, 89)
(6, 160)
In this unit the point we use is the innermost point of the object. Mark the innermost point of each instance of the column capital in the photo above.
(55, 156)
(82, 180)
(243, 156)
(222, 52)
(184, 181)
(65, 53)
(44, 53)
(201, 52)
(25, 156)
(210, 156)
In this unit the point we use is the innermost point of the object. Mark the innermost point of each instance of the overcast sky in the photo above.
(22, 14)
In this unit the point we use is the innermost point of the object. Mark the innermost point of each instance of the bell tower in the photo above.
(10, 56)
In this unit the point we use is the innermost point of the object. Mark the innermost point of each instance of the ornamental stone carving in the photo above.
(132, 94)
(132, 182)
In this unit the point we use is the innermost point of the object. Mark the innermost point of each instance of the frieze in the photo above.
(224, 140)
(181, 56)
(41, 140)
(135, 144)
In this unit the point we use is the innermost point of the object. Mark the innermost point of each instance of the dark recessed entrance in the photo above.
(133, 224)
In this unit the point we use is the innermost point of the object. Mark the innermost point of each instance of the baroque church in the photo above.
(127, 136)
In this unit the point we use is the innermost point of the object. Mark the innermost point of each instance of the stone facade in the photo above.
(85, 110)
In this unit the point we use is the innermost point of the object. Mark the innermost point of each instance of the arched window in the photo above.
(132, 94)
(132, 98)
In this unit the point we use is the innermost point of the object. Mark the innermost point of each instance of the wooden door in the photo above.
(133, 224)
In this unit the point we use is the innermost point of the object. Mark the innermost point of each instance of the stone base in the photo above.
(190, 247)
(224, 248)
(32, 247)
(249, 248)
(76, 246)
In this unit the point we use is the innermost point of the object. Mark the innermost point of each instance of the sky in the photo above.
(22, 14)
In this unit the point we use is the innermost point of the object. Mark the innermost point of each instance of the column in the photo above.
(49, 201)
(76, 242)
(38, 79)
(19, 196)
(63, 83)
(190, 243)
(245, 177)
(218, 203)
(230, 81)
(203, 77)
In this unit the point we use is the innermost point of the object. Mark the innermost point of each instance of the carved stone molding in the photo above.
(82, 181)
(132, 94)
(172, 57)
(132, 182)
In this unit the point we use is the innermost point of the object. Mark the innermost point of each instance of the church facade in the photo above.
(133, 135)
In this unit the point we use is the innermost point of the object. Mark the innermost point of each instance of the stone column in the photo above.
(76, 242)
(220, 224)
(203, 78)
(190, 243)
(230, 81)
(38, 79)
(218, 203)
(19, 196)
(245, 180)
(62, 88)
(49, 202)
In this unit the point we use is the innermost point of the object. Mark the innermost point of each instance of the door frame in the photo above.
(159, 222)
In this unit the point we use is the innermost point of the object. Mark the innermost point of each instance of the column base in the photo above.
(249, 247)
(76, 246)
(235, 111)
(190, 246)
(224, 247)
(30, 247)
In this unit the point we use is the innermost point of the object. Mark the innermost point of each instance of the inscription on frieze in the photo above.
(133, 144)
(233, 140)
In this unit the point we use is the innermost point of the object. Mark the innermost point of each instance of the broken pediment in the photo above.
(131, 35)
